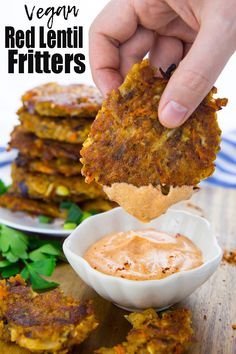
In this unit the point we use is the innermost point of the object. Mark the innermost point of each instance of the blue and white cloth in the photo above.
(224, 175)
(6, 158)
(225, 172)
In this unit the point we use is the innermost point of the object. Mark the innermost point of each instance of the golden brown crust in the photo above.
(168, 333)
(53, 188)
(128, 144)
(56, 100)
(99, 205)
(49, 167)
(32, 146)
(72, 130)
(48, 322)
(16, 202)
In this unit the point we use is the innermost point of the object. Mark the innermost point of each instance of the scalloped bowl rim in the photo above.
(69, 241)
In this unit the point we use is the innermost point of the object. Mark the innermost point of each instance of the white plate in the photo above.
(24, 222)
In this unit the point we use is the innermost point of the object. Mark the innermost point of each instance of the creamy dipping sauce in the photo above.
(143, 254)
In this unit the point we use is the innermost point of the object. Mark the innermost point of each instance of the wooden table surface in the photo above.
(213, 305)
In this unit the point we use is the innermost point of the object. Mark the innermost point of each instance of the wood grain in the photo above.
(213, 305)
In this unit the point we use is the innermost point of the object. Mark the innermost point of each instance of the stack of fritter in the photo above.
(54, 122)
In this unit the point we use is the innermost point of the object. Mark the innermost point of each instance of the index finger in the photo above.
(113, 26)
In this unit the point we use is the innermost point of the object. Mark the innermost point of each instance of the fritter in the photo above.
(32, 146)
(99, 205)
(128, 144)
(166, 333)
(50, 167)
(52, 188)
(49, 322)
(16, 202)
(69, 131)
(35, 207)
(56, 100)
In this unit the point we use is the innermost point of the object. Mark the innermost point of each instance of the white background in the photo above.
(12, 86)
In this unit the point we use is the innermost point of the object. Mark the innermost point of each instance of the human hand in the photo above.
(200, 36)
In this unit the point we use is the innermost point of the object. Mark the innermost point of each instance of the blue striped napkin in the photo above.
(224, 175)
(6, 158)
(225, 172)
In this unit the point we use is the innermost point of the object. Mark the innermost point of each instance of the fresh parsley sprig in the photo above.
(30, 256)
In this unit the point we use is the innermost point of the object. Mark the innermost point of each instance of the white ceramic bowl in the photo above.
(137, 295)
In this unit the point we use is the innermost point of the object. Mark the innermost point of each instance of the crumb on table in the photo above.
(230, 256)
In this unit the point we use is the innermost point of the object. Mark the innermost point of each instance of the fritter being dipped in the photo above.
(130, 153)
(49, 322)
(69, 131)
(166, 333)
(29, 144)
(52, 188)
(56, 100)
(62, 166)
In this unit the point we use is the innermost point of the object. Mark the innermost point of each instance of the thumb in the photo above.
(195, 75)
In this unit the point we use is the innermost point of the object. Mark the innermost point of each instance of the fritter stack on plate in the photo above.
(54, 122)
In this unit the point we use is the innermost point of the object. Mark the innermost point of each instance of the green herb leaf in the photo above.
(37, 282)
(45, 267)
(69, 226)
(3, 187)
(43, 219)
(75, 215)
(25, 273)
(66, 205)
(93, 212)
(86, 214)
(4, 263)
(74, 212)
(35, 242)
(37, 256)
(50, 249)
(42, 252)
(11, 270)
(14, 247)
(10, 257)
(13, 243)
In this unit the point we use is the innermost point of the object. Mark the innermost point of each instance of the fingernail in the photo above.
(173, 114)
